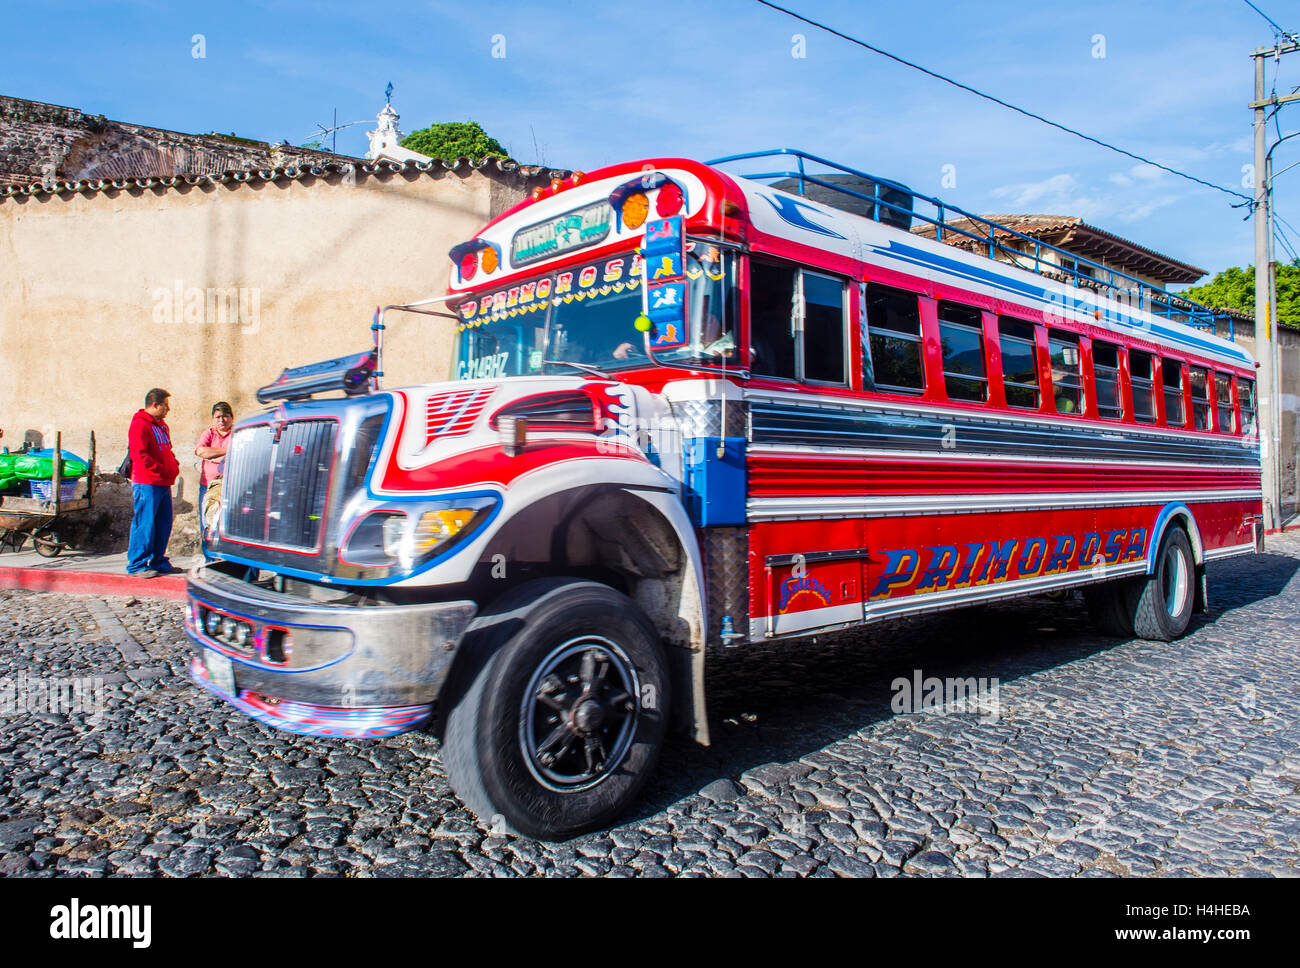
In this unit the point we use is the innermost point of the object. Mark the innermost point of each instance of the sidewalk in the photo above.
(78, 573)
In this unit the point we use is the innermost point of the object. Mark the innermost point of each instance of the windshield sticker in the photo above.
(491, 367)
(572, 230)
(587, 282)
(665, 254)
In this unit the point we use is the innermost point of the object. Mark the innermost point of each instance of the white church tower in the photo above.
(385, 139)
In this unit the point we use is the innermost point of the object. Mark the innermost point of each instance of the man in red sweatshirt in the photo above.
(153, 471)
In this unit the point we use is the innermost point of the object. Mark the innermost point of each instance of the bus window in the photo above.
(1105, 376)
(771, 319)
(1067, 382)
(1246, 396)
(1141, 375)
(894, 327)
(1019, 362)
(823, 329)
(1171, 376)
(962, 340)
(1223, 400)
(1200, 398)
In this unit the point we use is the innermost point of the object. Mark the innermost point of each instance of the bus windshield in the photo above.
(585, 315)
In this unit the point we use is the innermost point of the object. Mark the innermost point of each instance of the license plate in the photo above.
(221, 671)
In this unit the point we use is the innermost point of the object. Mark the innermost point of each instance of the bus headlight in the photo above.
(435, 527)
(409, 538)
(392, 539)
(394, 532)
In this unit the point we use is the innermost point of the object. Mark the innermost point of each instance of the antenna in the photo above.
(332, 132)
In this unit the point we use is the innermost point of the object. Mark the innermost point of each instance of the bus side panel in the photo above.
(820, 587)
(1226, 526)
(924, 561)
(1029, 550)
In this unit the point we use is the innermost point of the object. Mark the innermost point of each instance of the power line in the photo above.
(1246, 199)
(1286, 242)
(1280, 221)
(1272, 23)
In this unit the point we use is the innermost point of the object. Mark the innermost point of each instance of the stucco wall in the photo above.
(89, 320)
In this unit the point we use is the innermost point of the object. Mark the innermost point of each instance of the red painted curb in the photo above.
(170, 587)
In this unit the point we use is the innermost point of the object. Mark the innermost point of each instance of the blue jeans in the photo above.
(151, 528)
(203, 490)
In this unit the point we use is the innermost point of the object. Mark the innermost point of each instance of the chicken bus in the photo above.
(692, 410)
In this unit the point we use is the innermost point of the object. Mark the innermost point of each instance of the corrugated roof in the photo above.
(290, 172)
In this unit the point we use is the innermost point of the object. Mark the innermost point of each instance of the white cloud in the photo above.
(1137, 174)
(1058, 195)
(1030, 193)
(1146, 208)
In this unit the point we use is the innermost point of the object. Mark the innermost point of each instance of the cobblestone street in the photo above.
(1105, 758)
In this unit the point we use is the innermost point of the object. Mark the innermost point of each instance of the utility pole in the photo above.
(1269, 382)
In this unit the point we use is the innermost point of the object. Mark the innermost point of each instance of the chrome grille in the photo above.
(246, 475)
(275, 490)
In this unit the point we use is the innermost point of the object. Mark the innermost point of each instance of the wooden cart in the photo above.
(36, 518)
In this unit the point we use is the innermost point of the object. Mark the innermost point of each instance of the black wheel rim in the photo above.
(579, 714)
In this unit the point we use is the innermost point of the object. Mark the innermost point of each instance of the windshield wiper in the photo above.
(585, 367)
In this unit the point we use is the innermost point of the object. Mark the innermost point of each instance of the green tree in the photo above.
(1234, 288)
(451, 139)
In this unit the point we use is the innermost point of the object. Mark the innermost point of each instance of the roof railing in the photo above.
(1021, 250)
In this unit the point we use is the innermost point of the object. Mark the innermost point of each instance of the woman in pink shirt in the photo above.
(212, 448)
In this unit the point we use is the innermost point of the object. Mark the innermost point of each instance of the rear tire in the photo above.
(1162, 604)
(563, 713)
(1108, 607)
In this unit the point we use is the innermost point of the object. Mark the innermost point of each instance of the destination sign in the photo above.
(572, 230)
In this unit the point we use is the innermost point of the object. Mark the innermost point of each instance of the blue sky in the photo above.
(582, 85)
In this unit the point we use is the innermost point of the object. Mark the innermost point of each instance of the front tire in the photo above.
(564, 716)
(1162, 605)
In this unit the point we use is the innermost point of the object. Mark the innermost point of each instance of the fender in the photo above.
(638, 475)
(638, 478)
(693, 606)
(1175, 510)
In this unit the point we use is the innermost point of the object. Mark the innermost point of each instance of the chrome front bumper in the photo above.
(326, 669)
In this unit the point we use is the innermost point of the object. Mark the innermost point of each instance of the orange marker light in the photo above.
(635, 210)
(488, 259)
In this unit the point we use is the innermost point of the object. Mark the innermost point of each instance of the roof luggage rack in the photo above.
(892, 203)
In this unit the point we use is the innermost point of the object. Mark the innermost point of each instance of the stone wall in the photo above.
(208, 289)
(49, 142)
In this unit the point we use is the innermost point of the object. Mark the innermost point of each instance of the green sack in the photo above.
(7, 464)
(42, 468)
(7, 482)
